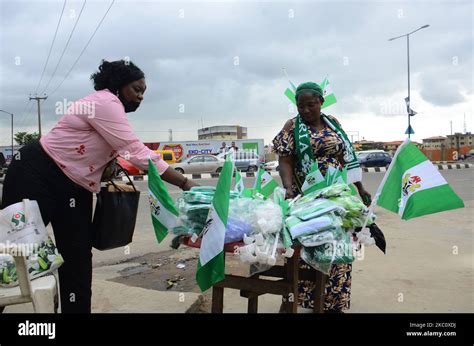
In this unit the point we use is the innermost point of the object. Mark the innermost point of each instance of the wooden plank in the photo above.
(280, 272)
(279, 287)
(217, 300)
(252, 304)
(320, 280)
(292, 270)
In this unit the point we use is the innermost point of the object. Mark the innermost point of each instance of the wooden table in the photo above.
(254, 286)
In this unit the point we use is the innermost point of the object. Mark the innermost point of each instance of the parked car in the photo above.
(374, 158)
(271, 166)
(3, 161)
(131, 169)
(199, 164)
(3, 165)
(245, 160)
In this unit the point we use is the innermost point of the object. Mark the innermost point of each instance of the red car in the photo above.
(131, 169)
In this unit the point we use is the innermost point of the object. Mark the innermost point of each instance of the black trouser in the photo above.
(68, 206)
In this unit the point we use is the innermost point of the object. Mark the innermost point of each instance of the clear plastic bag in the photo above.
(316, 208)
(263, 216)
(316, 239)
(322, 257)
(236, 229)
(298, 227)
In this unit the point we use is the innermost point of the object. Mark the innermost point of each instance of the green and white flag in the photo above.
(291, 95)
(164, 213)
(210, 269)
(341, 177)
(413, 187)
(314, 180)
(239, 182)
(328, 94)
(331, 175)
(264, 183)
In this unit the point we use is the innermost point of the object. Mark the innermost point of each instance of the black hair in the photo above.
(114, 75)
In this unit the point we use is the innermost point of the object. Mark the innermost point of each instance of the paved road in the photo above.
(144, 240)
(428, 266)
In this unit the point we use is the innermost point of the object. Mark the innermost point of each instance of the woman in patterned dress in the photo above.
(328, 150)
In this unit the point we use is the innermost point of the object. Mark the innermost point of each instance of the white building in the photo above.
(228, 132)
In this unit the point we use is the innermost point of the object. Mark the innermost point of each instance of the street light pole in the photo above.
(12, 130)
(409, 99)
(408, 64)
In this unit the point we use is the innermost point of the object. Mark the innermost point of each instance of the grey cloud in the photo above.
(190, 60)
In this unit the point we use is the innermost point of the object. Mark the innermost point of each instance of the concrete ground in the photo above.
(428, 266)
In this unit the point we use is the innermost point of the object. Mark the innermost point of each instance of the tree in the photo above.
(23, 138)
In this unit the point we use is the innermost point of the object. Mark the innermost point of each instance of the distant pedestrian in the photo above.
(223, 148)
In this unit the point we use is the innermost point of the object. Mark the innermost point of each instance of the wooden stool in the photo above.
(254, 286)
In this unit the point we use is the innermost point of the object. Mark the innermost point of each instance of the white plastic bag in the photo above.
(21, 225)
(23, 233)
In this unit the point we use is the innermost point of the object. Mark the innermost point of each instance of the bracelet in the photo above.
(184, 183)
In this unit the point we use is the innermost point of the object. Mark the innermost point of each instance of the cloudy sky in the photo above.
(220, 62)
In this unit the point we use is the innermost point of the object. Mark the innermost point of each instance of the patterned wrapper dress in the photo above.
(328, 150)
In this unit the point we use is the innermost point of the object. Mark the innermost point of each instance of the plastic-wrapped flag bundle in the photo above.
(194, 208)
(323, 256)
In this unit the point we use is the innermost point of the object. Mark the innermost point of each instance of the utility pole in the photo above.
(410, 112)
(38, 99)
(465, 127)
(451, 122)
(170, 135)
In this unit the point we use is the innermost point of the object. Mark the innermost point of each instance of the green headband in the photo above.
(309, 87)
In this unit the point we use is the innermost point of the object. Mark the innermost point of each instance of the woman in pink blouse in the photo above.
(65, 167)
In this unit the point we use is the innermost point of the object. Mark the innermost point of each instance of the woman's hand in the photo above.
(189, 184)
(177, 179)
(366, 197)
(289, 193)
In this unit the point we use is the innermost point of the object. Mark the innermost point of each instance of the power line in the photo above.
(65, 47)
(84, 49)
(51, 48)
(25, 113)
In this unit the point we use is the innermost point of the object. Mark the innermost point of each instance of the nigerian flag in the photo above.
(210, 269)
(328, 94)
(314, 180)
(264, 183)
(413, 187)
(239, 182)
(164, 213)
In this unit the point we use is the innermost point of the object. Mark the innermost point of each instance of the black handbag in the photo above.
(115, 216)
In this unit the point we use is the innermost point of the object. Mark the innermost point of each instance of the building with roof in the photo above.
(228, 132)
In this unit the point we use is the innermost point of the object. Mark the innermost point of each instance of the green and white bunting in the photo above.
(210, 269)
(164, 213)
(413, 187)
(239, 182)
(314, 180)
(328, 94)
(264, 183)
